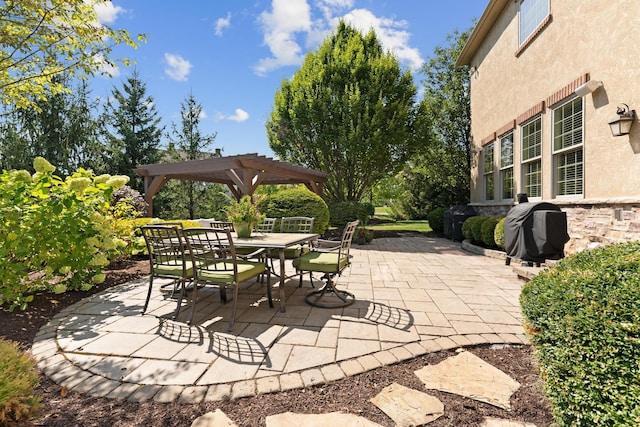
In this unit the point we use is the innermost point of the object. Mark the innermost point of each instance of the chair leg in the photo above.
(195, 299)
(233, 309)
(269, 294)
(146, 303)
(344, 298)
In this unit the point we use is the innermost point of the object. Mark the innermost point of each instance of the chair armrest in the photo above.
(322, 245)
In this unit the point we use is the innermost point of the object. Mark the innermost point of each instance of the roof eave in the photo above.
(489, 17)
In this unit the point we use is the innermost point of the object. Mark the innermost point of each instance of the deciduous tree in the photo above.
(348, 111)
(40, 40)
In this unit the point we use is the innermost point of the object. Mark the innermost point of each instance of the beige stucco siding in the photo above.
(599, 38)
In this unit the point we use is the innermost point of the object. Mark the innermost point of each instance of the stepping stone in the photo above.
(499, 422)
(468, 375)
(408, 407)
(216, 418)
(288, 419)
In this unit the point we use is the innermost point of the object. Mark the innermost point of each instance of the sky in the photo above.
(232, 55)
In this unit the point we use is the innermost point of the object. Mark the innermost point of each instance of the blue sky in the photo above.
(232, 55)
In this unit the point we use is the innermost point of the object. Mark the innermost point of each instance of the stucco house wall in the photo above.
(589, 40)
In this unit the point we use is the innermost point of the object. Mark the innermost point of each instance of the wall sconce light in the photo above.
(621, 123)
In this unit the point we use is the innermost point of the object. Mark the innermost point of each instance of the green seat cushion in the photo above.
(173, 270)
(325, 262)
(246, 270)
(291, 252)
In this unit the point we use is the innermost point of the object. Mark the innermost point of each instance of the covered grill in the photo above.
(454, 217)
(535, 232)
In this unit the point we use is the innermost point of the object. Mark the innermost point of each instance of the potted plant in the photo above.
(363, 236)
(245, 213)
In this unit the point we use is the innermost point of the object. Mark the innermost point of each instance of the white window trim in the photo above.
(555, 153)
(485, 174)
(525, 40)
(501, 168)
(524, 162)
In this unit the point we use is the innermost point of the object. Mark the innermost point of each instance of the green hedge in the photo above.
(343, 212)
(436, 219)
(498, 234)
(487, 231)
(297, 202)
(583, 317)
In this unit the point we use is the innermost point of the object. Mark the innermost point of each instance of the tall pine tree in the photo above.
(133, 130)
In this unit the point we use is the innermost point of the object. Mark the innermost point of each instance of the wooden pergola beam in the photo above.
(242, 174)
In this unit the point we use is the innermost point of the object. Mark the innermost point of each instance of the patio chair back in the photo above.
(213, 255)
(266, 226)
(222, 224)
(296, 224)
(167, 256)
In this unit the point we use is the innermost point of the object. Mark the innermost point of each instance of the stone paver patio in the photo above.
(415, 295)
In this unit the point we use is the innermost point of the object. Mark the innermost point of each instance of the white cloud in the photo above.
(202, 115)
(238, 116)
(290, 20)
(178, 67)
(280, 26)
(392, 34)
(107, 12)
(223, 23)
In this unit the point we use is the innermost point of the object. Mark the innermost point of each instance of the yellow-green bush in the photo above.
(19, 378)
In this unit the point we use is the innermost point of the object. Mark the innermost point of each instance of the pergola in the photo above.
(242, 174)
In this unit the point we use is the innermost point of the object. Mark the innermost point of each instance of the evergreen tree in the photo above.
(190, 199)
(133, 130)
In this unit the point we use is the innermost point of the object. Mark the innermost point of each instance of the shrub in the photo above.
(487, 231)
(498, 234)
(298, 202)
(341, 213)
(583, 318)
(467, 227)
(436, 219)
(55, 235)
(19, 378)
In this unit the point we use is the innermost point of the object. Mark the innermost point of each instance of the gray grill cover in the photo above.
(535, 232)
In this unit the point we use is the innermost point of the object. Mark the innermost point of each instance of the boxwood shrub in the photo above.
(468, 225)
(487, 231)
(297, 202)
(583, 319)
(498, 234)
(436, 219)
(343, 212)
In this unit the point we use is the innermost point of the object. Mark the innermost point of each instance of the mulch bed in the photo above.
(68, 408)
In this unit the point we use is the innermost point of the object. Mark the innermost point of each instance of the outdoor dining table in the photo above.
(279, 241)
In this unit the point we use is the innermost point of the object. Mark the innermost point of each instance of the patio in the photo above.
(415, 295)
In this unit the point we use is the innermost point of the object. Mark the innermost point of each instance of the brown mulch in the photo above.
(69, 408)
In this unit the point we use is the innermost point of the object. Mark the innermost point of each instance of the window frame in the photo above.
(564, 150)
(506, 167)
(526, 161)
(531, 14)
(488, 176)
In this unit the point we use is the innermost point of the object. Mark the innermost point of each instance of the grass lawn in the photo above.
(422, 226)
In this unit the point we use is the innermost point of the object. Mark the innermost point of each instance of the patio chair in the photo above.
(329, 258)
(293, 224)
(222, 224)
(266, 226)
(167, 257)
(214, 256)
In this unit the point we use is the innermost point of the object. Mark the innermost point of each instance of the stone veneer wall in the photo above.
(590, 223)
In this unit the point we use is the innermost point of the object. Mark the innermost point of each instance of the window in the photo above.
(506, 166)
(532, 13)
(487, 168)
(532, 158)
(567, 148)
